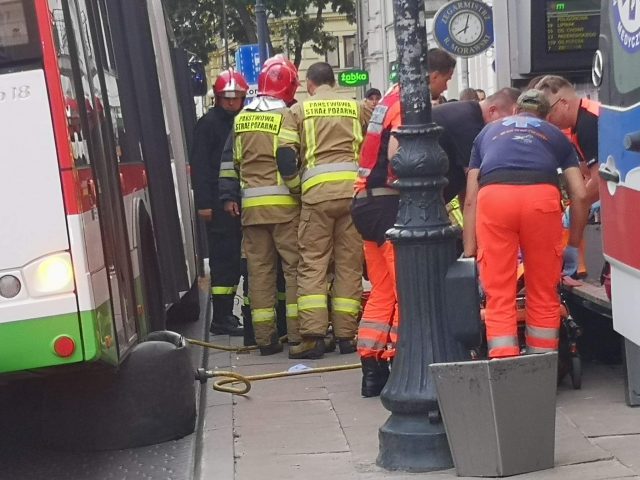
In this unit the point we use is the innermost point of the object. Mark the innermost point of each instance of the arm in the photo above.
(471, 197)
(201, 169)
(288, 152)
(593, 194)
(579, 205)
(229, 183)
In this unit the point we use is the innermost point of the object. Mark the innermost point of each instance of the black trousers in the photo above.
(224, 237)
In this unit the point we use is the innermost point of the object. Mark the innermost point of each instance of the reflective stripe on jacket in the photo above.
(329, 135)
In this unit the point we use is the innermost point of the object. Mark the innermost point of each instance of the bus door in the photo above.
(95, 159)
(617, 70)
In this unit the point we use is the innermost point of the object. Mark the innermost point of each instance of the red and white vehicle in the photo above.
(97, 233)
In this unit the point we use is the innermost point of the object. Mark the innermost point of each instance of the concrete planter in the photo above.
(499, 414)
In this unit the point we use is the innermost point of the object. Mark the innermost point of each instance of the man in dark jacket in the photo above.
(224, 236)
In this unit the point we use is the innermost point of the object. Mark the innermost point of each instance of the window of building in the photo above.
(332, 57)
(349, 51)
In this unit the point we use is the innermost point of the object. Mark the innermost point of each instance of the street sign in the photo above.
(248, 64)
(353, 78)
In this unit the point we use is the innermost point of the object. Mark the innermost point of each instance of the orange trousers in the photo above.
(379, 323)
(527, 217)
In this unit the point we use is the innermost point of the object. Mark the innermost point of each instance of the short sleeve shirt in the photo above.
(522, 142)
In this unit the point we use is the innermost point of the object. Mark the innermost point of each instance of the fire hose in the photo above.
(227, 378)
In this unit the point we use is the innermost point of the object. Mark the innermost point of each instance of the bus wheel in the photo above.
(149, 399)
(150, 274)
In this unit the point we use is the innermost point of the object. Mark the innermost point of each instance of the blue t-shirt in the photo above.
(522, 142)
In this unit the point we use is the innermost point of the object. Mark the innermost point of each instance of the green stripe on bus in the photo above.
(28, 344)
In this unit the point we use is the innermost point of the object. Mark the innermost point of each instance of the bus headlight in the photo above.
(50, 275)
(9, 286)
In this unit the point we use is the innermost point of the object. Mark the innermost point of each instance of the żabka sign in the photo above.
(353, 78)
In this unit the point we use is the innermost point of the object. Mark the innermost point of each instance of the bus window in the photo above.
(107, 62)
(74, 84)
(19, 40)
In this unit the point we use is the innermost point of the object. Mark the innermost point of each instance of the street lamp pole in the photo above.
(413, 438)
(261, 24)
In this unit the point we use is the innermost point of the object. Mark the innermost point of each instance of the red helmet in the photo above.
(278, 78)
(230, 84)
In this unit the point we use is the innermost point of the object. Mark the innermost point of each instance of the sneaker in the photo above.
(227, 325)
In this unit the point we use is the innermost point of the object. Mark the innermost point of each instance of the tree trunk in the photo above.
(247, 20)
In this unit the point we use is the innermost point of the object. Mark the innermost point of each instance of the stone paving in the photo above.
(319, 427)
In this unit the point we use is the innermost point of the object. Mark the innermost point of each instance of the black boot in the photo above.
(347, 345)
(227, 325)
(329, 343)
(374, 376)
(274, 347)
(249, 335)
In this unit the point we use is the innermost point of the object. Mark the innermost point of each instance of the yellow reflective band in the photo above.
(292, 310)
(237, 149)
(228, 174)
(223, 290)
(293, 183)
(258, 122)
(281, 295)
(310, 302)
(269, 200)
(357, 138)
(310, 142)
(290, 136)
(246, 301)
(330, 108)
(346, 305)
(329, 177)
(263, 315)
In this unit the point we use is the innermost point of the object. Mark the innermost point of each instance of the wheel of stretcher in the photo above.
(576, 372)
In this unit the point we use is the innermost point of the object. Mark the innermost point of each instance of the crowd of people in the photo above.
(298, 195)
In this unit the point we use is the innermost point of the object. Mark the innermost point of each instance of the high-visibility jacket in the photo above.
(327, 134)
(249, 173)
(374, 171)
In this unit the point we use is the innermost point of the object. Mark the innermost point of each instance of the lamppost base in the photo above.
(413, 444)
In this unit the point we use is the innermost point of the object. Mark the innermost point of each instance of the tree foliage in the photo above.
(292, 23)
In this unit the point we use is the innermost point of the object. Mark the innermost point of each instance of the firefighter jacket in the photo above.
(209, 138)
(249, 173)
(326, 132)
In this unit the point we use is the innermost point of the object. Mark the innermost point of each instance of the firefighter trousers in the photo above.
(379, 324)
(224, 238)
(262, 245)
(527, 217)
(326, 228)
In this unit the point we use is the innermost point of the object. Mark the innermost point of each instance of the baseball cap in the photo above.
(534, 101)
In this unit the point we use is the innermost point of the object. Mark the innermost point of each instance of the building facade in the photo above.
(378, 48)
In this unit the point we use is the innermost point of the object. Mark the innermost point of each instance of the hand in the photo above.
(206, 214)
(232, 208)
(570, 261)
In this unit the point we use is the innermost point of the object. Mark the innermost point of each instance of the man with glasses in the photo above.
(578, 118)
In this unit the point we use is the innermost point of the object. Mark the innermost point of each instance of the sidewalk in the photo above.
(319, 427)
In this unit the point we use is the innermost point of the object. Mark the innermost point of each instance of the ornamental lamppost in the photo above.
(261, 26)
(413, 438)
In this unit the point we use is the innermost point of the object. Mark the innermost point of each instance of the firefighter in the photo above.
(578, 118)
(513, 202)
(251, 183)
(374, 210)
(223, 230)
(325, 133)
